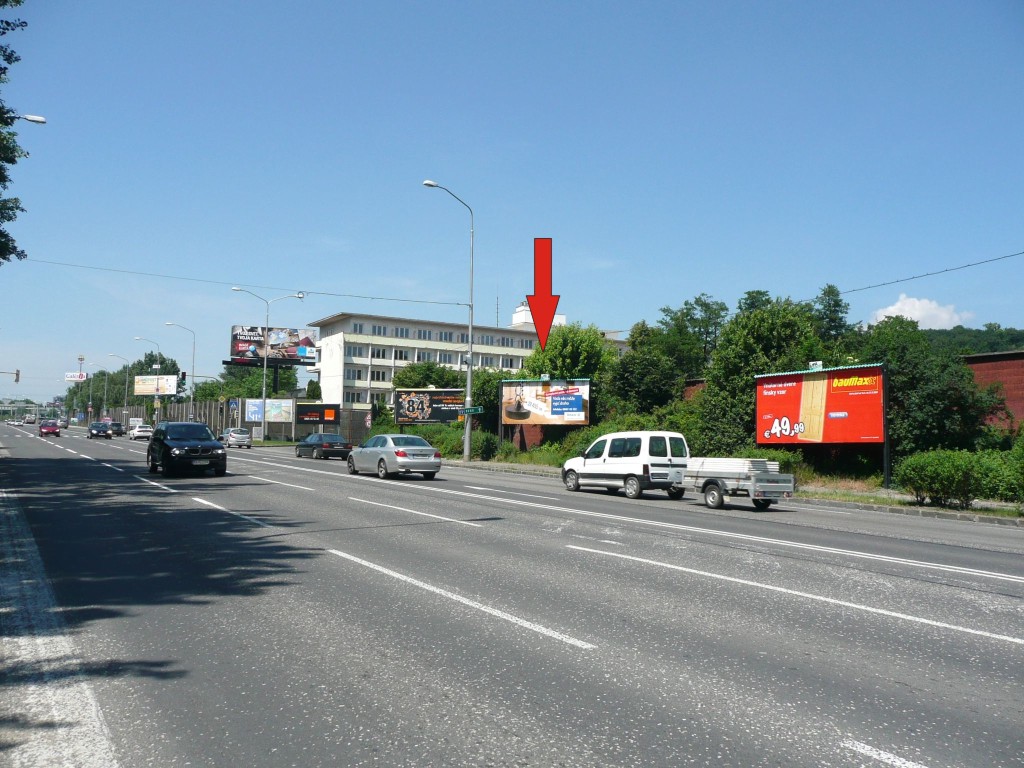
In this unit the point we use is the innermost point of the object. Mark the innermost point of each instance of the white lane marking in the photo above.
(116, 469)
(512, 493)
(231, 512)
(466, 601)
(278, 482)
(158, 485)
(740, 536)
(886, 757)
(414, 512)
(806, 595)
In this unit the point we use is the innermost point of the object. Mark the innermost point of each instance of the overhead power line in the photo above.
(931, 274)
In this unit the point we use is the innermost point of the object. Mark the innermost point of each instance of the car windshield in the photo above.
(239, 432)
(189, 432)
(410, 441)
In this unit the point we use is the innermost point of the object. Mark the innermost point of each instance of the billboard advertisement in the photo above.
(317, 413)
(837, 405)
(428, 406)
(556, 401)
(277, 410)
(76, 376)
(156, 385)
(287, 346)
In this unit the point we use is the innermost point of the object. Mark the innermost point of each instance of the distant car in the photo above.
(323, 445)
(117, 428)
(140, 432)
(19, 423)
(49, 427)
(62, 423)
(99, 429)
(388, 455)
(236, 437)
(177, 446)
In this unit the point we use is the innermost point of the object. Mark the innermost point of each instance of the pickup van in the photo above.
(633, 461)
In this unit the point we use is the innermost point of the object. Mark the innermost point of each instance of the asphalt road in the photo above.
(291, 614)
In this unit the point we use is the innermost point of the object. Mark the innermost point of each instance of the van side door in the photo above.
(593, 463)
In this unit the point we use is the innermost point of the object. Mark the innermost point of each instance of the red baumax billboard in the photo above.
(838, 405)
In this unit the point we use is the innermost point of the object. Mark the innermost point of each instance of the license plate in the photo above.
(200, 462)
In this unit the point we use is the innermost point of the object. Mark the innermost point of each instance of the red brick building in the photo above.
(1005, 369)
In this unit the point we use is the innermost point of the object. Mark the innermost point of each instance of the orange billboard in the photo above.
(837, 405)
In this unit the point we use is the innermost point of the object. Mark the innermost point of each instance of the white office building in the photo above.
(357, 354)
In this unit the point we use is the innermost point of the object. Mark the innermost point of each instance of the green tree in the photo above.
(313, 391)
(10, 151)
(702, 318)
(429, 374)
(644, 379)
(752, 300)
(773, 339)
(572, 352)
(487, 394)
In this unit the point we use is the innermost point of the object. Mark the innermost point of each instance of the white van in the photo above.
(636, 461)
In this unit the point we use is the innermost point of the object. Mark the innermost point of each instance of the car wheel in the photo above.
(632, 488)
(382, 470)
(429, 475)
(165, 468)
(572, 481)
(675, 493)
(352, 466)
(220, 471)
(762, 504)
(317, 453)
(713, 497)
(249, 447)
(152, 465)
(297, 454)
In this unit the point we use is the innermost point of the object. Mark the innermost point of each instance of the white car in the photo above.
(140, 432)
(634, 461)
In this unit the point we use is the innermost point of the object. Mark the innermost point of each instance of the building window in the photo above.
(379, 397)
(508, 363)
(402, 354)
(401, 333)
(380, 330)
(357, 327)
(526, 343)
(445, 357)
(378, 374)
(446, 336)
(353, 397)
(379, 353)
(487, 361)
(506, 341)
(353, 351)
(424, 356)
(487, 339)
(463, 338)
(424, 334)
(354, 374)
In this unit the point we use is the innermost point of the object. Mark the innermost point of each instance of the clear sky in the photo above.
(669, 149)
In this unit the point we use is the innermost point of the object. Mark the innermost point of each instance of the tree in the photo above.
(702, 317)
(313, 391)
(644, 379)
(429, 374)
(10, 151)
(830, 314)
(752, 300)
(572, 352)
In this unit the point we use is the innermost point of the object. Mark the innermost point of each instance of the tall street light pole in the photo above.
(159, 364)
(266, 346)
(469, 366)
(192, 393)
(78, 395)
(127, 365)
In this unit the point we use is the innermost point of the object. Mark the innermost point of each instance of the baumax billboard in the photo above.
(837, 405)
(554, 401)
(287, 346)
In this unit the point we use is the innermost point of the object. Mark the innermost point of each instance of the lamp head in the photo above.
(429, 183)
(300, 295)
(33, 118)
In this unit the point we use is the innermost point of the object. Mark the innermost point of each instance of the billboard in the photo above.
(556, 401)
(428, 406)
(277, 410)
(76, 376)
(287, 346)
(317, 413)
(836, 405)
(156, 385)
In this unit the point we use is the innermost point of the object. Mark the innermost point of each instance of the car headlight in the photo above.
(177, 451)
(219, 451)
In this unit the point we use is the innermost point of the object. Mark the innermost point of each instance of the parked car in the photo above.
(99, 429)
(140, 432)
(388, 455)
(236, 437)
(62, 423)
(323, 445)
(179, 446)
(117, 428)
(634, 461)
(49, 427)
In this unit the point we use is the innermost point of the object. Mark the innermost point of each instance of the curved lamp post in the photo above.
(266, 345)
(192, 394)
(469, 365)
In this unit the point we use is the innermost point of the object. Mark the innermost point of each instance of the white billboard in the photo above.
(156, 385)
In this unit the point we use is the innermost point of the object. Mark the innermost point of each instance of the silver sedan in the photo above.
(389, 455)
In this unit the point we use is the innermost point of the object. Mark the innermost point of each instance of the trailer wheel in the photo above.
(762, 504)
(675, 493)
(713, 496)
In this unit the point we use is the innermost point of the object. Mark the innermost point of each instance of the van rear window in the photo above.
(679, 449)
(658, 446)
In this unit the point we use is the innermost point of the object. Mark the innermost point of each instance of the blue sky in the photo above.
(669, 149)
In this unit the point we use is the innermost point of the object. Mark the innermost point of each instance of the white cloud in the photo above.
(928, 313)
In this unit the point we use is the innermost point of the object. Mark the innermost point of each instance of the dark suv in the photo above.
(180, 446)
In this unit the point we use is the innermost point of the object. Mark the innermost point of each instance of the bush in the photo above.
(944, 477)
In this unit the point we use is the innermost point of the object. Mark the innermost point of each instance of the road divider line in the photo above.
(886, 757)
(569, 640)
(414, 512)
(278, 482)
(512, 493)
(116, 469)
(231, 512)
(158, 485)
(805, 595)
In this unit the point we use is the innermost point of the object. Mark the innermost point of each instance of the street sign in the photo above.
(472, 410)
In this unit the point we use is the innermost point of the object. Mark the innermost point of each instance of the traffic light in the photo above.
(17, 375)
(184, 375)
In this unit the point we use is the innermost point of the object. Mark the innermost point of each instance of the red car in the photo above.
(49, 427)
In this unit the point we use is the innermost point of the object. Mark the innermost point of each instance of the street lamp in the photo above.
(266, 345)
(127, 366)
(78, 394)
(159, 361)
(32, 118)
(192, 394)
(469, 365)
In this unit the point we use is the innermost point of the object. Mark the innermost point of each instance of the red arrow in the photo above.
(542, 302)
